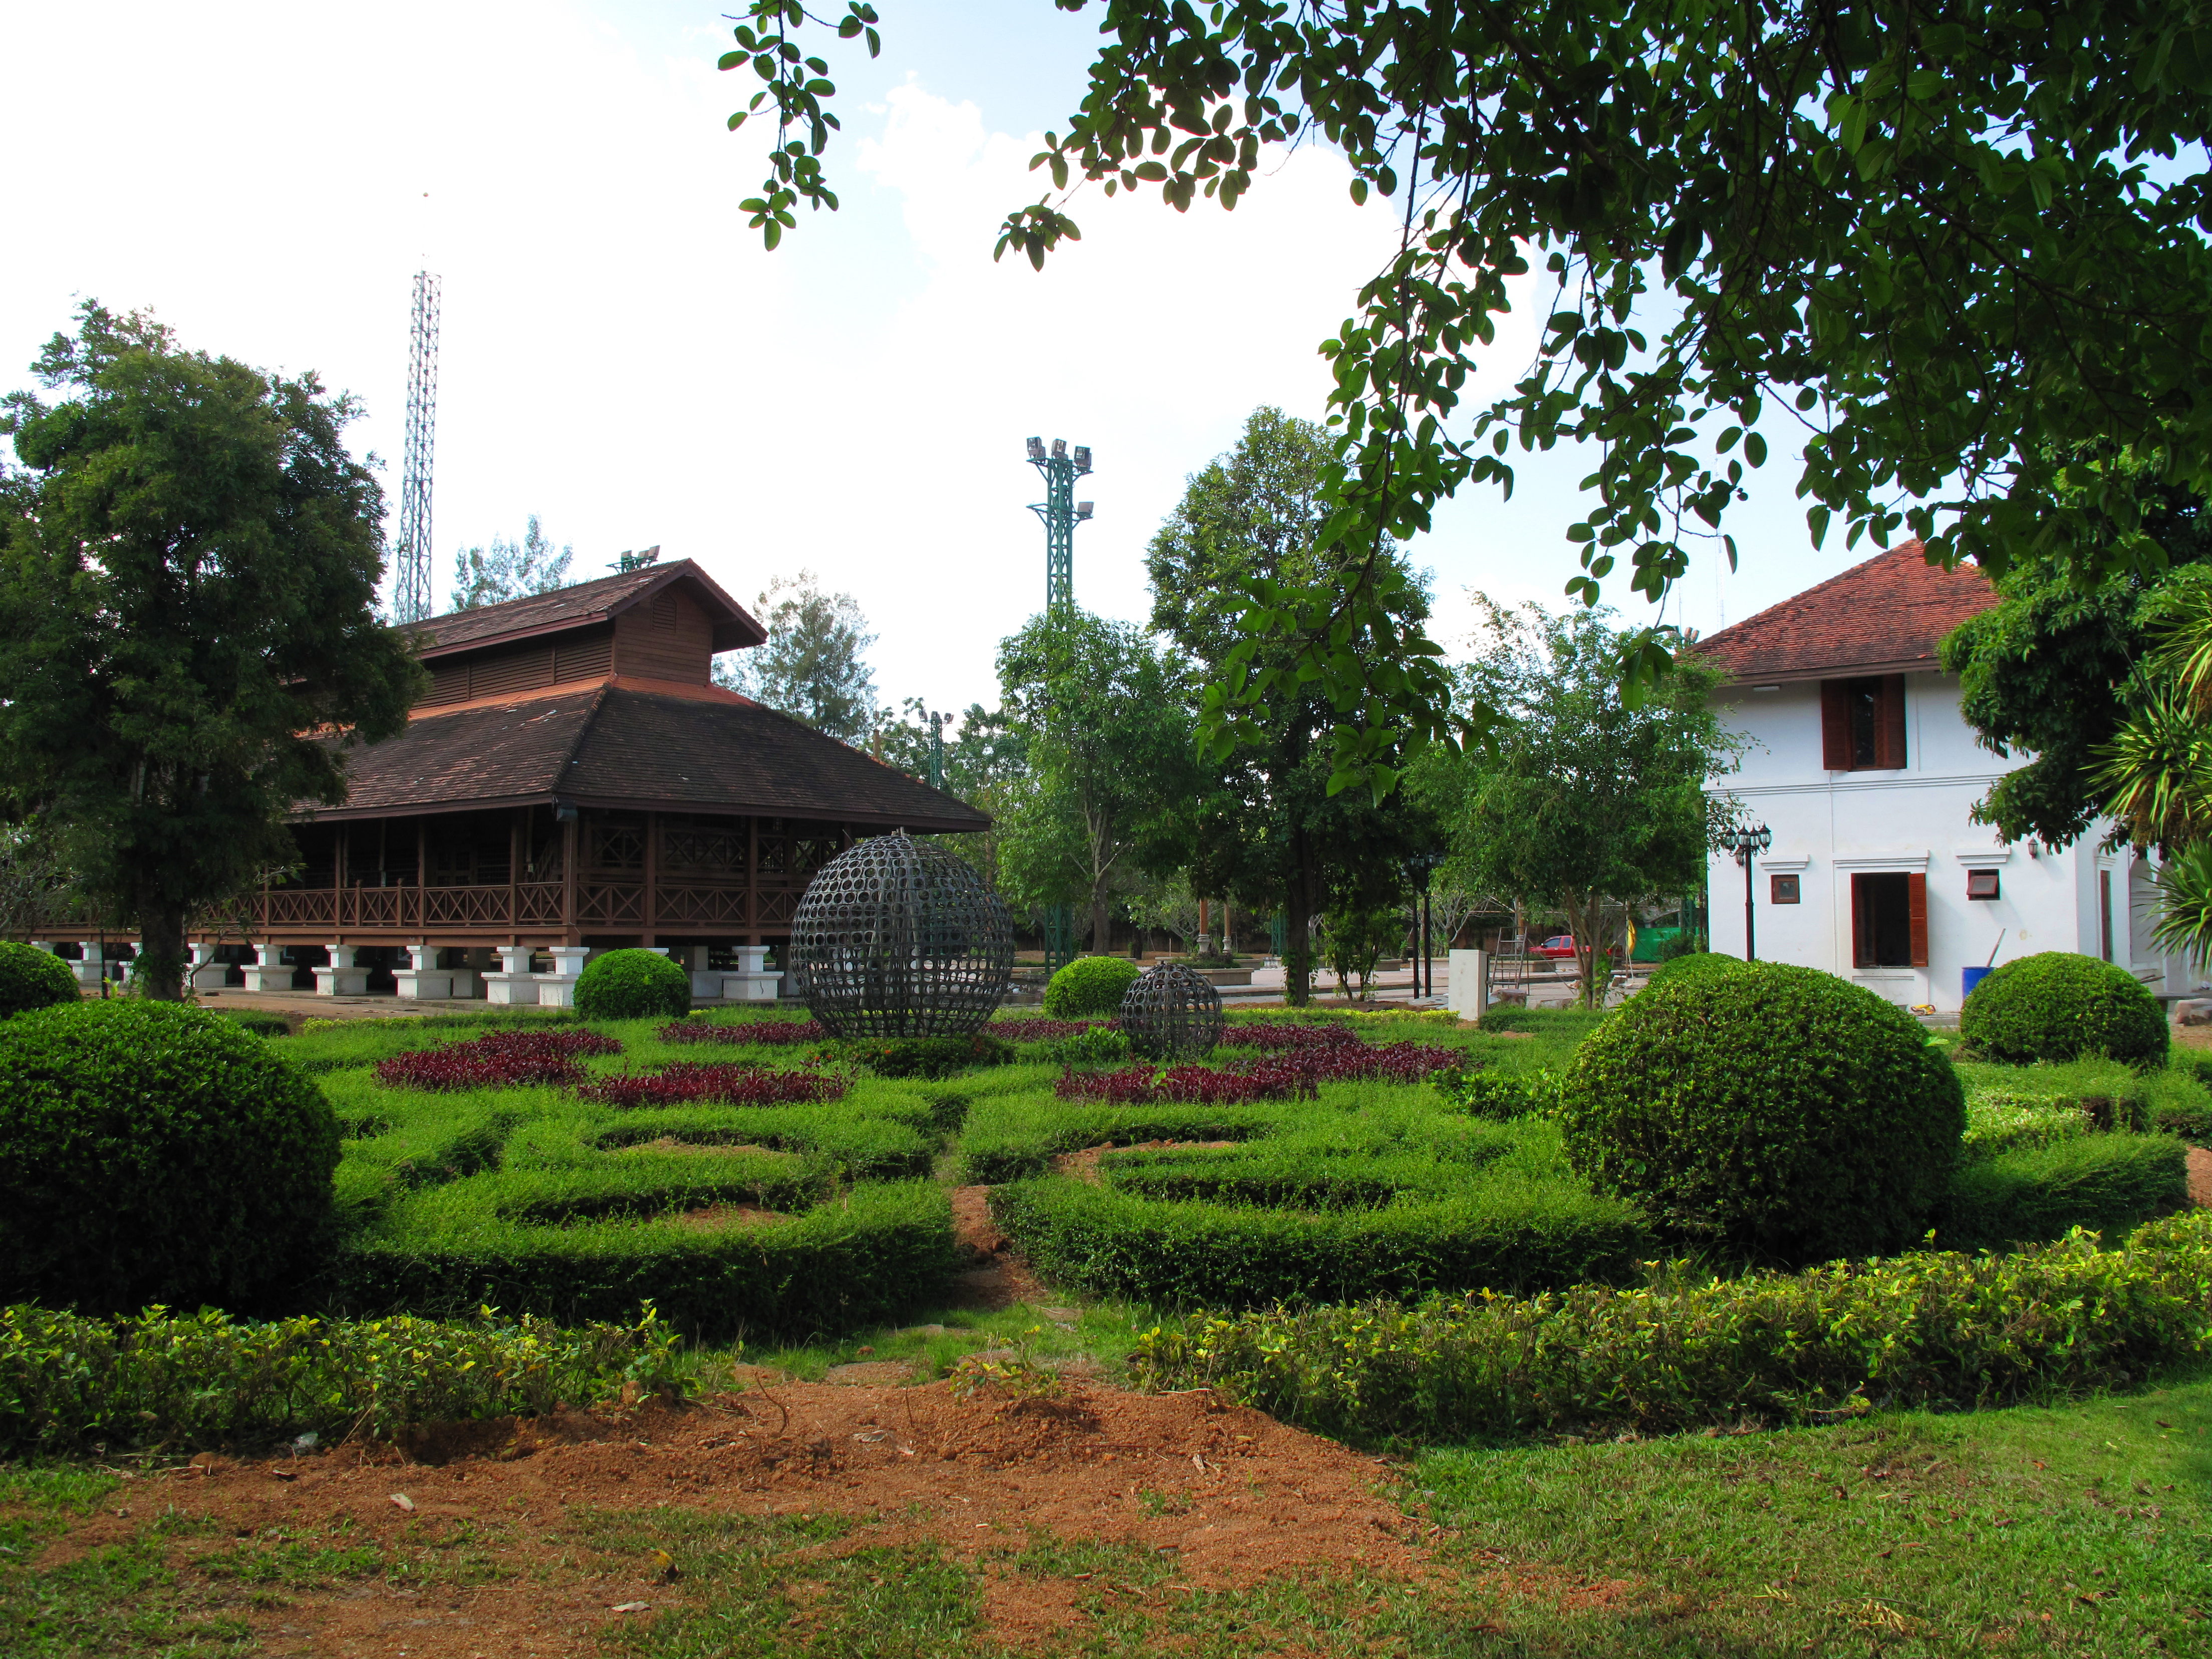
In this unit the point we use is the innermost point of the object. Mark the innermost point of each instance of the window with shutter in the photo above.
(1916, 891)
(1835, 727)
(1863, 724)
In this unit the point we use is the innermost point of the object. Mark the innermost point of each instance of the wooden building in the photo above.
(572, 778)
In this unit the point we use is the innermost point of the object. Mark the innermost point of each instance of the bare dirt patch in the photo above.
(1083, 1165)
(713, 1218)
(2200, 1175)
(996, 1276)
(1227, 1496)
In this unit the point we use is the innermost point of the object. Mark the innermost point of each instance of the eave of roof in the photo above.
(583, 605)
(1886, 615)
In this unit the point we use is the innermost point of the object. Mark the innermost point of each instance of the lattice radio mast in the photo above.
(414, 555)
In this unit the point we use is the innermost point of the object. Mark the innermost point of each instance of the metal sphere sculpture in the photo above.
(1170, 1013)
(898, 938)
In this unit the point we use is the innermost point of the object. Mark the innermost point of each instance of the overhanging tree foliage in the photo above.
(1957, 249)
(814, 664)
(509, 570)
(188, 573)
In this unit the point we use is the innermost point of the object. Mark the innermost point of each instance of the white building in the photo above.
(1861, 766)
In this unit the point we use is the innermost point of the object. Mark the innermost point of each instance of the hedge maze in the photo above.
(750, 1176)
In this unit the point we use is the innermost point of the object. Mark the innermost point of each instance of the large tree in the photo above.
(1584, 797)
(984, 760)
(1957, 252)
(1268, 831)
(189, 641)
(510, 570)
(1107, 736)
(814, 665)
(2057, 668)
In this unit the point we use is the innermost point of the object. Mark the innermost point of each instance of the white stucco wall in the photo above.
(1827, 825)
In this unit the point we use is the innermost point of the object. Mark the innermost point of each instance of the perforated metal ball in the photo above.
(899, 937)
(1170, 1013)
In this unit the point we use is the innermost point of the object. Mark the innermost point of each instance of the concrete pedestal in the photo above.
(340, 978)
(93, 969)
(267, 972)
(558, 989)
(514, 983)
(752, 983)
(1468, 992)
(420, 978)
(206, 974)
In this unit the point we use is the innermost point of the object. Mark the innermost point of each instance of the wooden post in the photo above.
(516, 840)
(338, 875)
(421, 872)
(651, 875)
(571, 845)
(752, 870)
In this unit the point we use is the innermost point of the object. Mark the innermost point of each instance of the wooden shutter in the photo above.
(1836, 726)
(1861, 925)
(1916, 900)
(1889, 732)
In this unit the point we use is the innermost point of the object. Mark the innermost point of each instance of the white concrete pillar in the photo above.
(1467, 982)
(268, 972)
(422, 978)
(93, 969)
(752, 983)
(513, 983)
(340, 978)
(207, 974)
(558, 989)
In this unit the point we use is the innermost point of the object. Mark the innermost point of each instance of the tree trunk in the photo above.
(159, 972)
(1298, 932)
(1587, 917)
(1102, 922)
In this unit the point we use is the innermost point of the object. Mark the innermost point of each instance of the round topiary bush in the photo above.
(633, 985)
(150, 1152)
(1090, 987)
(33, 979)
(1690, 964)
(2062, 1005)
(1777, 1112)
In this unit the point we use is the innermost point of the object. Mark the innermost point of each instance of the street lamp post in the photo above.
(1744, 840)
(1421, 867)
(1061, 512)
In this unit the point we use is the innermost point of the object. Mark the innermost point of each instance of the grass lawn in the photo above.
(2083, 1528)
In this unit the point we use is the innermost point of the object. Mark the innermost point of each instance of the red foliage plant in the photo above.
(744, 1031)
(1293, 1070)
(498, 1059)
(1046, 1031)
(726, 1085)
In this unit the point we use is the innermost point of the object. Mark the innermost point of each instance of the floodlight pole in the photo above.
(937, 752)
(1060, 512)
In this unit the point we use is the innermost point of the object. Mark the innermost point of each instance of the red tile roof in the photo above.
(583, 604)
(1885, 616)
(614, 746)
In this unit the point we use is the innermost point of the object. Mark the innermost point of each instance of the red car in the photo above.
(1559, 947)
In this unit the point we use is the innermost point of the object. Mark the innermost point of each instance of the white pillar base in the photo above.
(93, 967)
(341, 981)
(416, 985)
(1467, 987)
(748, 987)
(558, 989)
(514, 985)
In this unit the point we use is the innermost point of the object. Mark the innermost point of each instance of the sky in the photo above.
(621, 357)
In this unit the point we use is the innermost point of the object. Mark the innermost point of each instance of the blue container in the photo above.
(1970, 977)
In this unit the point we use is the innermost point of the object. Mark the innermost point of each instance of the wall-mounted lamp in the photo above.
(564, 811)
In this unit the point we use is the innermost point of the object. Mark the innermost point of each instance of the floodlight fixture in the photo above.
(1036, 449)
(1060, 449)
(1082, 509)
(1082, 458)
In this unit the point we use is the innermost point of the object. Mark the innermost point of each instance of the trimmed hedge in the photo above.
(862, 1255)
(150, 1152)
(926, 1057)
(1090, 987)
(182, 1381)
(2062, 1005)
(1773, 1110)
(1507, 1234)
(33, 979)
(633, 985)
(2034, 1193)
(1941, 1329)
(1691, 964)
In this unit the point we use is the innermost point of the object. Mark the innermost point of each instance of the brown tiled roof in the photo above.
(584, 603)
(611, 746)
(1885, 616)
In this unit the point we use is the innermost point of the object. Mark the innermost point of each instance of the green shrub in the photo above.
(926, 1057)
(1770, 1109)
(266, 1025)
(2062, 1005)
(633, 985)
(1482, 1092)
(2188, 1121)
(1693, 964)
(33, 979)
(181, 1380)
(1096, 1046)
(1090, 987)
(1507, 1233)
(1998, 1122)
(1929, 1329)
(858, 1257)
(2029, 1194)
(150, 1152)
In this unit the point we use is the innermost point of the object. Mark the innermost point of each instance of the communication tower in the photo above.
(413, 600)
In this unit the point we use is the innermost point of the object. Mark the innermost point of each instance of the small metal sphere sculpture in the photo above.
(1170, 1013)
(898, 938)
